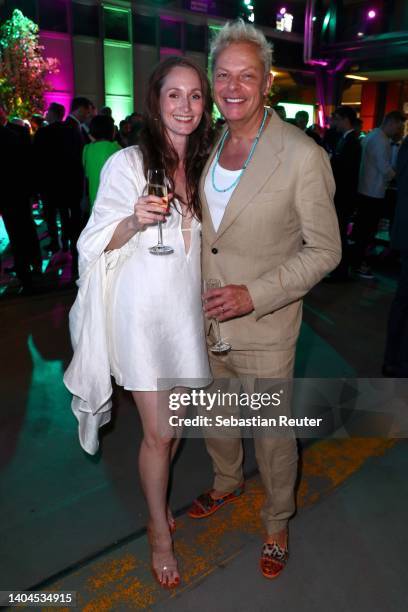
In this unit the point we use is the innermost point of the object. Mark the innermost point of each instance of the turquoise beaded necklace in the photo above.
(248, 159)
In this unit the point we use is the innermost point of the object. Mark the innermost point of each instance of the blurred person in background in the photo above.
(376, 172)
(280, 110)
(98, 152)
(345, 163)
(331, 136)
(55, 112)
(51, 145)
(358, 126)
(106, 110)
(123, 135)
(396, 349)
(15, 204)
(82, 111)
(315, 132)
(302, 119)
(136, 122)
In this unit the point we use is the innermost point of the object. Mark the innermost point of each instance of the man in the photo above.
(96, 154)
(15, 206)
(270, 233)
(390, 198)
(396, 350)
(331, 137)
(81, 113)
(375, 173)
(136, 122)
(106, 110)
(280, 110)
(50, 172)
(302, 119)
(345, 165)
(55, 113)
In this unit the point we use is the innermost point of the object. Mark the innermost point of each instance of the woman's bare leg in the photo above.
(156, 452)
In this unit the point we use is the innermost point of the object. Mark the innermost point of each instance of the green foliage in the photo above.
(23, 70)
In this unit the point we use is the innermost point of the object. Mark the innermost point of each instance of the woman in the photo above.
(139, 316)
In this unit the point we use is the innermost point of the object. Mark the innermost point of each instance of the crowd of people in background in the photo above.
(57, 161)
(365, 171)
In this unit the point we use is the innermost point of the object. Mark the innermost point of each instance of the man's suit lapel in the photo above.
(263, 163)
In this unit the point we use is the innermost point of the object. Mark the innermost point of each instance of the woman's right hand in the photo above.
(149, 210)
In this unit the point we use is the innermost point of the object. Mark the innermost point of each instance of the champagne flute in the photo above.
(157, 185)
(220, 346)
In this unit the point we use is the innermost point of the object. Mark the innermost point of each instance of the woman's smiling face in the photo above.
(181, 102)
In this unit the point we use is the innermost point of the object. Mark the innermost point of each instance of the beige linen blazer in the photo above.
(279, 236)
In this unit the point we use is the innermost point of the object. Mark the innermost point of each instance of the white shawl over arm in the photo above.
(88, 375)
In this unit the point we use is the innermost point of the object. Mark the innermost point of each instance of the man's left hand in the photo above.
(227, 302)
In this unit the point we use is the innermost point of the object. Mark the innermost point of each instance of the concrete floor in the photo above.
(64, 512)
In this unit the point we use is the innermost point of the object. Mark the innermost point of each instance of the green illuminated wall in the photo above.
(118, 66)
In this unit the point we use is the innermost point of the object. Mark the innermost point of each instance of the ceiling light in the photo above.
(356, 77)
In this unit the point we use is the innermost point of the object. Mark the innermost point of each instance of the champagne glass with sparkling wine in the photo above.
(220, 346)
(157, 185)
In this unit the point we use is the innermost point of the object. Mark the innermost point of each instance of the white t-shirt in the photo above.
(217, 201)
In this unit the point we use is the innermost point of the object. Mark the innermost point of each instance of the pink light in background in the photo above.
(59, 46)
(283, 10)
(170, 19)
(371, 14)
(166, 51)
(321, 118)
(319, 62)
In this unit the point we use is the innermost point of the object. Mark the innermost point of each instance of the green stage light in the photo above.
(247, 11)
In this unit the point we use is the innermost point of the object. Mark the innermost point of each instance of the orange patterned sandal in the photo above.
(205, 505)
(273, 560)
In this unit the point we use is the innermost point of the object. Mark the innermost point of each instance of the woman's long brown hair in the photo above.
(156, 147)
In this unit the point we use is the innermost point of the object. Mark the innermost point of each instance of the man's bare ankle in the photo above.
(280, 537)
(215, 494)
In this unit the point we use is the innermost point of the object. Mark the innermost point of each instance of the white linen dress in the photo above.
(154, 312)
(137, 316)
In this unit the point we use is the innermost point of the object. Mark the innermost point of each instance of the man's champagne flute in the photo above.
(220, 346)
(157, 185)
